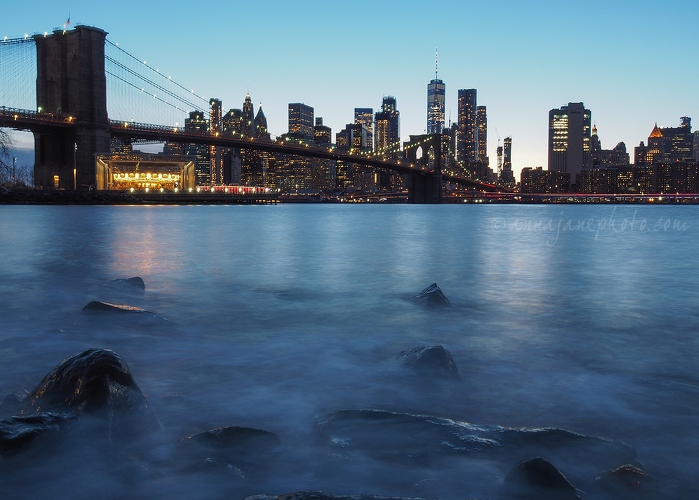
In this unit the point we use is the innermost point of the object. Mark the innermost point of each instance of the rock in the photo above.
(18, 432)
(11, 404)
(98, 305)
(95, 382)
(136, 282)
(321, 495)
(629, 481)
(539, 479)
(240, 450)
(432, 296)
(425, 441)
(433, 359)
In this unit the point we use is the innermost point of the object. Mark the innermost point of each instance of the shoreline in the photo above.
(62, 197)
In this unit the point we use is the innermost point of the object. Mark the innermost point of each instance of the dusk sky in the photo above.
(632, 62)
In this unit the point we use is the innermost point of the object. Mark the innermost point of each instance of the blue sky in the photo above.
(633, 63)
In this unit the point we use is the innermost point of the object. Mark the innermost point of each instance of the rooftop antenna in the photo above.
(436, 61)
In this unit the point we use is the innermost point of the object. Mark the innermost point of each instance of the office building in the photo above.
(482, 129)
(467, 141)
(215, 153)
(322, 134)
(387, 122)
(202, 164)
(569, 139)
(301, 121)
(507, 177)
(365, 116)
(435, 104)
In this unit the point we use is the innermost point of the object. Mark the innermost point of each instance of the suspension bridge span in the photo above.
(66, 109)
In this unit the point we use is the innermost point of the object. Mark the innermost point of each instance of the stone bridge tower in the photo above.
(425, 151)
(71, 83)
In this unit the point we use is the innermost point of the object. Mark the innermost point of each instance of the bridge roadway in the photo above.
(22, 119)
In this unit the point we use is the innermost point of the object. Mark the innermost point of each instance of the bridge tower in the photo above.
(71, 83)
(426, 151)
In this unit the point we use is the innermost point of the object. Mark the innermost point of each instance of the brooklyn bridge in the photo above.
(77, 92)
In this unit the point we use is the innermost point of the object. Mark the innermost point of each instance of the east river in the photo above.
(584, 318)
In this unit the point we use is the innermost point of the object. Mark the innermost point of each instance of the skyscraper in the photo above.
(202, 167)
(388, 127)
(247, 125)
(507, 178)
(467, 143)
(569, 139)
(435, 104)
(215, 156)
(365, 116)
(301, 121)
(482, 128)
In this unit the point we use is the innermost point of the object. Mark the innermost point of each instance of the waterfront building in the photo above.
(569, 139)
(540, 181)
(695, 146)
(605, 158)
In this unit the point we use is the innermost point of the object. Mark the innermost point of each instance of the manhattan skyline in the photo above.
(631, 63)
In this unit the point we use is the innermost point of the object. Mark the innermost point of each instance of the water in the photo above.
(578, 317)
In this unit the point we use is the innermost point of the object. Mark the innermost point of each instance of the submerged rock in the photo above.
(432, 296)
(629, 481)
(322, 495)
(136, 282)
(95, 382)
(426, 441)
(239, 450)
(539, 479)
(98, 305)
(435, 359)
(17, 432)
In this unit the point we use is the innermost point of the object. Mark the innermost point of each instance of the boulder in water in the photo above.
(95, 382)
(98, 305)
(17, 432)
(539, 479)
(136, 283)
(629, 481)
(240, 450)
(432, 296)
(322, 495)
(435, 359)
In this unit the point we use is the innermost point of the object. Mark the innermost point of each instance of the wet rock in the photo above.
(539, 479)
(98, 305)
(432, 296)
(18, 432)
(136, 283)
(629, 481)
(433, 359)
(238, 450)
(11, 404)
(424, 441)
(95, 382)
(321, 495)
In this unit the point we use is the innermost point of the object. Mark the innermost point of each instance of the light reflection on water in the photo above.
(278, 314)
